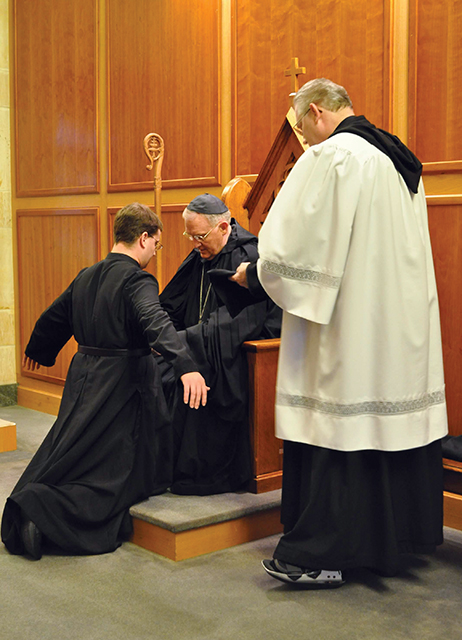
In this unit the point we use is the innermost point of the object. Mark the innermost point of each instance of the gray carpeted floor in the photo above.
(133, 594)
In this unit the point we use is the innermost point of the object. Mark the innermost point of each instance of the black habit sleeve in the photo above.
(52, 330)
(235, 297)
(161, 335)
(254, 284)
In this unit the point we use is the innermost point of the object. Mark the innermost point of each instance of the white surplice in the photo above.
(345, 252)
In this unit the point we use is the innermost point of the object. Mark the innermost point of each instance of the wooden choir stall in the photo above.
(250, 205)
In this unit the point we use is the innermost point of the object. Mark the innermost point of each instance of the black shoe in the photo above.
(318, 579)
(32, 539)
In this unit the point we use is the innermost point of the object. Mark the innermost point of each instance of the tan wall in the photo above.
(7, 342)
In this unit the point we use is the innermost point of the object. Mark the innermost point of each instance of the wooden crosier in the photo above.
(153, 145)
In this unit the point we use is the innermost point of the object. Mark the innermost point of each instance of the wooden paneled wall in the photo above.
(53, 246)
(445, 221)
(163, 77)
(345, 41)
(435, 135)
(435, 130)
(55, 91)
(92, 77)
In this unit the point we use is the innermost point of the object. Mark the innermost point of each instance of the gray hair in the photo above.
(324, 93)
(212, 218)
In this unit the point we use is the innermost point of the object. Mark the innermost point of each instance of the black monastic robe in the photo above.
(211, 445)
(110, 446)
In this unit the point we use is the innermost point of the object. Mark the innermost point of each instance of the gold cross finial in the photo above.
(294, 71)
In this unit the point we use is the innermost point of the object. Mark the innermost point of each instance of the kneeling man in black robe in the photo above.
(110, 446)
(211, 445)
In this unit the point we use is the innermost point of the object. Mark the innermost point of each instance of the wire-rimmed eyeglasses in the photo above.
(296, 126)
(200, 237)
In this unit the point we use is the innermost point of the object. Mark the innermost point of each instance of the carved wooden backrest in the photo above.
(254, 202)
(234, 196)
(286, 150)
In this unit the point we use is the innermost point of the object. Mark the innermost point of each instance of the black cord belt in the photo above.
(130, 353)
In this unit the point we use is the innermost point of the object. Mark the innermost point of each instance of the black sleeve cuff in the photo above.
(254, 284)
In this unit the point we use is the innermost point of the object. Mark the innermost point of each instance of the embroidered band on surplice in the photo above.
(306, 275)
(362, 408)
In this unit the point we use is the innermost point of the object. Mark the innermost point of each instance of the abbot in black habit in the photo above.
(211, 445)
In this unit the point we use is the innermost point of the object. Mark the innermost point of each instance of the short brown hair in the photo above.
(133, 220)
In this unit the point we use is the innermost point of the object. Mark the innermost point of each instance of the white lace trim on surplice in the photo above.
(307, 275)
(362, 408)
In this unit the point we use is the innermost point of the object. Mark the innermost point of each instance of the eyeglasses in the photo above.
(296, 126)
(200, 237)
(158, 246)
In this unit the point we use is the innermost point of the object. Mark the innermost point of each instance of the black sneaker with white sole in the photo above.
(291, 574)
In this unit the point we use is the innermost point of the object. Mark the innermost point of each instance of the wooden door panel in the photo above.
(435, 69)
(163, 77)
(344, 41)
(53, 246)
(55, 56)
(445, 223)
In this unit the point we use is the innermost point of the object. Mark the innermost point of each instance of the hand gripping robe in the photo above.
(345, 251)
(212, 450)
(110, 446)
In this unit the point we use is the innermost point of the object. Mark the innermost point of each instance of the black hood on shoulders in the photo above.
(238, 237)
(404, 160)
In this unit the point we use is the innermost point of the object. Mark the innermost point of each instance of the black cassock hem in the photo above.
(344, 510)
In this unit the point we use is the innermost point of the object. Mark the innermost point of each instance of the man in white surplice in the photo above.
(345, 252)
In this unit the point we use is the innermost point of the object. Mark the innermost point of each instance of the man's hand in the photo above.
(195, 389)
(29, 364)
(241, 275)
